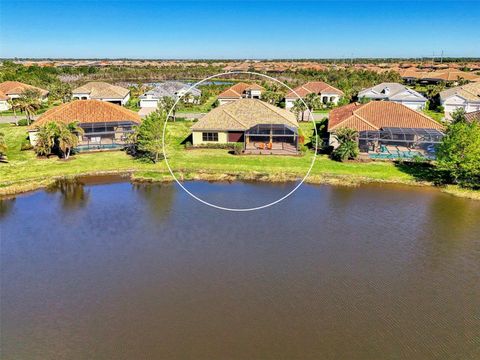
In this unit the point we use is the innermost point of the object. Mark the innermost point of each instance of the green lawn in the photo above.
(25, 171)
(202, 108)
(437, 116)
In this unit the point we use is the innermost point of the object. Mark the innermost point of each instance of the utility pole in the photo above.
(441, 58)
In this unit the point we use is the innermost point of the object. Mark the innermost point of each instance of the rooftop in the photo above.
(392, 91)
(102, 90)
(315, 87)
(469, 91)
(376, 115)
(243, 114)
(170, 89)
(87, 111)
(237, 90)
(17, 88)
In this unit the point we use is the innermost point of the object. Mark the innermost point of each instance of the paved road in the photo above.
(11, 119)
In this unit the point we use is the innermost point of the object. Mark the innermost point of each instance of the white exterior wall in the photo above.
(289, 103)
(197, 137)
(455, 102)
(415, 105)
(149, 103)
(32, 135)
(333, 98)
(225, 101)
(4, 105)
(79, 96)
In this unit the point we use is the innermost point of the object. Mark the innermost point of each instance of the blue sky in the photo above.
(233, 29)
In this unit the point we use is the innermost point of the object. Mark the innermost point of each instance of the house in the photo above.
(448, 75)
(259, 126)
(327, 93)
(106, 125)
(239, 91)
(395, 92)
(172, 89)
(387, 130)
(99, 90)
(464, 96)
(14, 89)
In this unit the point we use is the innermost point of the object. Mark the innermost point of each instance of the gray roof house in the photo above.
(173, 89)
(395, 92)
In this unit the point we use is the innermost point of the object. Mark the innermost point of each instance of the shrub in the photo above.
(238, 148)
(348, 148)
(22, 122)
(26, 145)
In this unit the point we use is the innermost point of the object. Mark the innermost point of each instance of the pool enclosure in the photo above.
(271, 138)
(397, 143)
(104, 135)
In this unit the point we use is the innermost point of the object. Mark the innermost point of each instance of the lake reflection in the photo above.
(132, 271)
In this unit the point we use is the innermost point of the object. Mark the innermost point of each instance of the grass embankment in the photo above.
(26, 172)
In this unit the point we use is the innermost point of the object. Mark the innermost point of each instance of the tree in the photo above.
(148, 135)
(15, 106)
(458, 115)
(29, 102)
(299, 108)
(272, 97)
(45, 139)
(3, 146)
(67, 137)
(166, 104)
(348, 145)
(61, 91)
(458, 155)
(63, 137)
(313, 101)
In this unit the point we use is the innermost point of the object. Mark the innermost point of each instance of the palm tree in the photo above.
(299, 107)
(348, 145)
(67, 137)
(29, 102)
(15, 106)
(45, 139)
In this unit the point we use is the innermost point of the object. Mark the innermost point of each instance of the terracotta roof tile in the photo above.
(87, 111)
(236, 91)
(17, 88)
(377, 115)
(102, 90)
(243, 114)
(473, 116)
(317, 87)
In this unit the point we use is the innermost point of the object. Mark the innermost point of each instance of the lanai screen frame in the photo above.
(273, 130)
(97, 127)
(397, 134)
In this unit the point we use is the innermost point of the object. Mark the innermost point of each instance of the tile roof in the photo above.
(17, 88)
(451, 75)
(469, 91)
(395, 91)
(3, 96)
(376, 115)
(102, 90)
(316, 87)
(87, 111)
(471, 116)
(242, 114)
(237, 90)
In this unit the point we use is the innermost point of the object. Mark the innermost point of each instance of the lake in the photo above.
(114, 270)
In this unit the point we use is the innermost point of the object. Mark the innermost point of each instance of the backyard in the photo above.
(24, 171)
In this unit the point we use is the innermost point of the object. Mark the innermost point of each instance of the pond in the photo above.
(106, 269)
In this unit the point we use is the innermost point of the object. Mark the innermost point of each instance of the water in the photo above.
(122, 271)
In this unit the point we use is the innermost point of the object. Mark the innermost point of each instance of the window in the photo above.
(207, 136)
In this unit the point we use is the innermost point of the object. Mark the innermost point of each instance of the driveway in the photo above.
(11, 119)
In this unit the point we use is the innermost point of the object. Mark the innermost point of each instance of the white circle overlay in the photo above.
(223, 207)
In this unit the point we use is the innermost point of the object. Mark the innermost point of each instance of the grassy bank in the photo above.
(25, 171)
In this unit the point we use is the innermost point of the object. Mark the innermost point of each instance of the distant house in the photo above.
(261, 127)
(466, 97)
(99, 90)
(14, 89)
(172, 89)
(448, 75)
(239, 91)
(106, 125)
(396, 93)
(327, 93)
(387, 130)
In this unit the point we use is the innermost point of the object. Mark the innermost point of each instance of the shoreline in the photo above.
(139, 176)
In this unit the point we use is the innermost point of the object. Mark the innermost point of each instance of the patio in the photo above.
(278, 139)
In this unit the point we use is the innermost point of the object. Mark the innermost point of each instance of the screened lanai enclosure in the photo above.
(271, 138)
(104, 135)
(397, 143)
